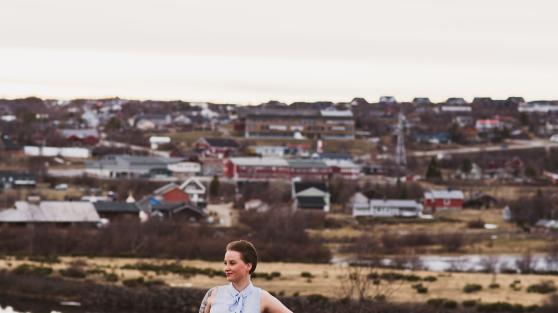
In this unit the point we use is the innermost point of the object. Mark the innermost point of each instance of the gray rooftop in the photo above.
(305, 163)
(51, 212)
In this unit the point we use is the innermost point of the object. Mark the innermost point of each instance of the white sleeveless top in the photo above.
(229, 300)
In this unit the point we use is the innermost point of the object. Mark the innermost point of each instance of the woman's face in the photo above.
(235, 268)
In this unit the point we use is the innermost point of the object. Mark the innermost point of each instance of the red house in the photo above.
(216, 147)
(86, 137)
(255, 168)
(171, 193)
(552, 177)
(436, 200)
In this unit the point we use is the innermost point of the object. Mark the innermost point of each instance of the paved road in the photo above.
(509, 145)
(116, 144)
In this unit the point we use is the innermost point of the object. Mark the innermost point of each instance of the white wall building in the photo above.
(388, 208)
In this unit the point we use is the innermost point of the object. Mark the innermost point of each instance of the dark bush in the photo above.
(176, 268)
(469, 303)
(470, 288)
(450, 304)
(476, 224)
(542, 287)
(500, 307)
(420, 288)
(453, 242)
(306, 275)
(133, 282)
(111, 277)
(26, 269)
(316, 298)
(442, 303)
(73, 272)
(430, 278)
(51, 259)
(141, 282)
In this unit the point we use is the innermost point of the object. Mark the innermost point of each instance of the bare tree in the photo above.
(526, 262)
(552, 257)
(490, 264)
(365, 283)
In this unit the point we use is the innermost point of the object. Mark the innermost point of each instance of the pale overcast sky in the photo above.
(250, 51)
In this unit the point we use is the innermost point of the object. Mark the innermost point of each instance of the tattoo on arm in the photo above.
(205, 301)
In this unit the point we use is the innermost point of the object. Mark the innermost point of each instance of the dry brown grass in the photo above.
(357, 146)
(328, 279)
(186, 139)
(45, 192)
(508, 238)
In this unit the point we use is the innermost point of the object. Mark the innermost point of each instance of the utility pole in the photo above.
(400, 154)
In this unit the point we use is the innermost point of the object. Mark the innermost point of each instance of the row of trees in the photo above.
(279, 236)
(527, 211)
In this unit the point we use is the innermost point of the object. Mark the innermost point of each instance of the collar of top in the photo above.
(239, 298)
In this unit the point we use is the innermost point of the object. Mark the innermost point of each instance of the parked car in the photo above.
(61, 187)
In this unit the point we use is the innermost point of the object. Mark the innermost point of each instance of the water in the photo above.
(477, 263)
(19, 305)
(468, 263)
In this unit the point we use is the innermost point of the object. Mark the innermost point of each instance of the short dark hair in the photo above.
(247, 252)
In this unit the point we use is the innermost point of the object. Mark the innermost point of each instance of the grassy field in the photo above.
(356, 147)
(508, 238)
(45, 192)
(326, 279)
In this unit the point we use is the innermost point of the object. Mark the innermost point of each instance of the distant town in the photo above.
(183, 148)
(388, 183)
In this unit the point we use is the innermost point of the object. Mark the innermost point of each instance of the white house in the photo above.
(196, 190)
(538, 106)
(311, 196)
(388, 208)
(456, 108)
(270, 151)
(156, 141)
(256, 205)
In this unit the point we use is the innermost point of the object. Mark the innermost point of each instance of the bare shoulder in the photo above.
(270, 304)
(212, 293)
(208, 300)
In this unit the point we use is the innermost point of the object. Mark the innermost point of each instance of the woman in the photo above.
(240, 296)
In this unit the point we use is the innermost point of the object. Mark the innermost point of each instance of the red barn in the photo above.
(435, 200)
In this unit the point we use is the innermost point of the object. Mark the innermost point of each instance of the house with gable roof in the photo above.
(116, 166)
(118, 211)
(87, 137)
(385, 207)
(151, 121)
(50, 212)
(196, 191)
(310, 196)
(436, 200)
(171, 192)
(216, 147)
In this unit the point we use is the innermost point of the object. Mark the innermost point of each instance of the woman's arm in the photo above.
(270, 304)
(205, 306)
